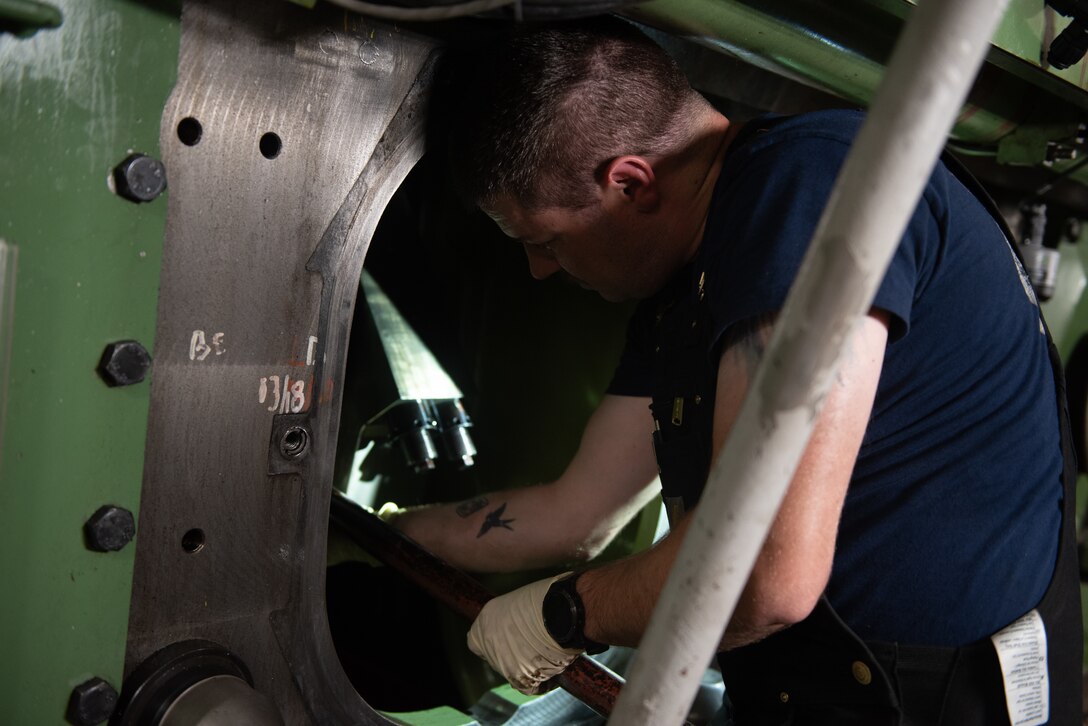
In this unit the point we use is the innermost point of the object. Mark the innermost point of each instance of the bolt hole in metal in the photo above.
(294, 442)
(193, 541)
(190, 131)
(270, 145)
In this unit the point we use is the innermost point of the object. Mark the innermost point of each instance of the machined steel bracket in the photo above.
(286, 135)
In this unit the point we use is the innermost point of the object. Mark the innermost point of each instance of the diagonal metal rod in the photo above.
(928, 77)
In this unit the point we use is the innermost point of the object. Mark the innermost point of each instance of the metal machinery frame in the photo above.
(255, 307)
(287, 131)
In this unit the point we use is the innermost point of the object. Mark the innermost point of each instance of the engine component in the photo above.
(286, 134)
(454, 423)
(193, 683)
(1040, 261)
(426, 417)
(412, 425)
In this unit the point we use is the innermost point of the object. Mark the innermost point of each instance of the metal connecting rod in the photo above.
(930, 73)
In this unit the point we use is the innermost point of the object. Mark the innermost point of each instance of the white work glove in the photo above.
(388, 512)
(509, 634)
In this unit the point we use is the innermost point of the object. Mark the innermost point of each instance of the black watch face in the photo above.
(560, 617)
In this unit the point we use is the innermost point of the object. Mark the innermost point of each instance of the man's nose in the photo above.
(541, 265)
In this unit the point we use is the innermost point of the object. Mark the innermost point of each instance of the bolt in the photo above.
(124, 363)
(91, 702)
(139, 178)
(109, 529)
(294, 442)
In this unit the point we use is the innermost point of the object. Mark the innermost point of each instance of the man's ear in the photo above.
(631, 179)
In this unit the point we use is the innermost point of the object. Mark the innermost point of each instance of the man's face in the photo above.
(598, 250)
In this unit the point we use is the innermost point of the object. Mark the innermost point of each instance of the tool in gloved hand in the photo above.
(587, 680)
(510, 634)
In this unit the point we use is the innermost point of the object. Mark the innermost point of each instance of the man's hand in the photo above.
(510, 635)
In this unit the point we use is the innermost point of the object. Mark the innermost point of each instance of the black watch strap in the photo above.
(565, 616)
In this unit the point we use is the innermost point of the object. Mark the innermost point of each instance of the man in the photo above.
(925, 515)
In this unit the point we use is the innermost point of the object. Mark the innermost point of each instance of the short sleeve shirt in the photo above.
(950, 526)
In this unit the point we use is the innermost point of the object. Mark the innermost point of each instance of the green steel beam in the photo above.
(73, 102)
(841, 47)
(1025, 34)
(1021, 43)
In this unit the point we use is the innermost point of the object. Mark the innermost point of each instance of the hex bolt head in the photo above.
(139, 178)
(124, 363)
(91, 702)
(109, 529)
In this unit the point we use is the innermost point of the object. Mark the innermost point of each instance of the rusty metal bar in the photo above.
(585, 679)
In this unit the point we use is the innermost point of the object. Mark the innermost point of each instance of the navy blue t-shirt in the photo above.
(950, 526)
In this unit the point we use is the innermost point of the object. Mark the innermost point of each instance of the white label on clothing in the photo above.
(1021, 649)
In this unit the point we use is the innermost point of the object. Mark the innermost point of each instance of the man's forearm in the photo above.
(568, 521)
(620, 597)
(505, 531)
(794, 563)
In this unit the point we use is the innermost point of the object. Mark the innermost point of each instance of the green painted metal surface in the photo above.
(73, 102)
(1022, 40)
(1026, 32)
(842, 47)
(839, 47)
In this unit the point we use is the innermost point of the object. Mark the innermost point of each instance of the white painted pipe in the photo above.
(930, 72)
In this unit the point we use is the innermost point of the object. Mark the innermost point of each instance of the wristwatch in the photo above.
(565, 616)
